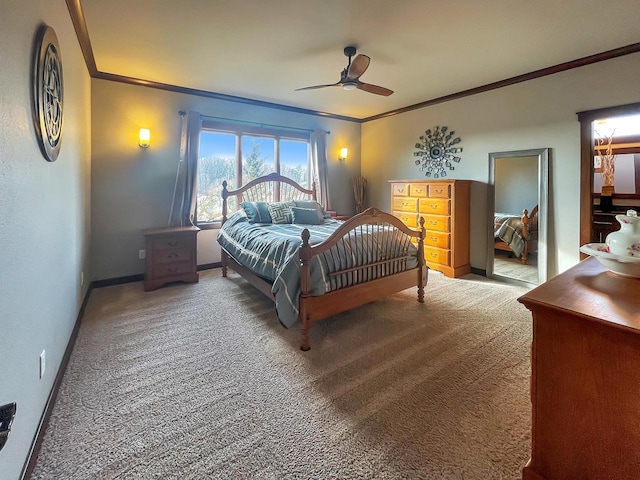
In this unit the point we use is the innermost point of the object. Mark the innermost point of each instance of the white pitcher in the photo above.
(626, 241)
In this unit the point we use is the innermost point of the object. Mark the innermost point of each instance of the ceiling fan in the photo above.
(350, 76)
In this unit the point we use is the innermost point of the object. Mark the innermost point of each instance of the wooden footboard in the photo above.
(382, 267)
(381, 271)
(529, 235)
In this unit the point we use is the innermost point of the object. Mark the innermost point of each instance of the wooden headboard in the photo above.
(269, 188)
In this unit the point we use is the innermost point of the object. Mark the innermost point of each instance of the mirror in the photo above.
(518, 213)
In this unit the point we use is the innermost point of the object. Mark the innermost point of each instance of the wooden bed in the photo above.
(529, 224)
(274, 188)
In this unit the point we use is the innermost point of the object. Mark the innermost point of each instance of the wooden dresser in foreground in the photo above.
(171, 256)
(585, 376)
(444, 204)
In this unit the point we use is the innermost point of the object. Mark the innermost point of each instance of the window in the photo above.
(239, 156)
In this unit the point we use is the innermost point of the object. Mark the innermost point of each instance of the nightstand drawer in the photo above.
(169, 269)
(440, 207)
(405, 204)
(165, 242)
(409, 219)
(437, 223)
(437, 239)
(439, 191)
(169, 255)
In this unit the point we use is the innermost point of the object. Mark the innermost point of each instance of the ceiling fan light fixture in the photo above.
(349, 85)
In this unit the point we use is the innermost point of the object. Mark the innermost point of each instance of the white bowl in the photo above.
(620, 264)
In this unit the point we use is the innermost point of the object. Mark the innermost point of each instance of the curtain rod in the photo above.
(182, 113)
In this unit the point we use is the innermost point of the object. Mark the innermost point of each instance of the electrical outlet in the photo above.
(43, 363)
(142, 254)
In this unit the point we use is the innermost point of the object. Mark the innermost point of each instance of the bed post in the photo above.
(303, 316)
(422, 267)
(223, 255)
(525, 235)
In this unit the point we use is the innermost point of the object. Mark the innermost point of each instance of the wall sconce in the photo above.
(343, 155)
(145, 138)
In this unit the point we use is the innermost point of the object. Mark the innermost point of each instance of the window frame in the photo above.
(261, 131)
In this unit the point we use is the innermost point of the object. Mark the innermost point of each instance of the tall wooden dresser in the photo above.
(444, 204)
(585, 376)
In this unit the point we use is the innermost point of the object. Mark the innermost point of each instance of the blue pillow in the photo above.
(257, 212)
(307, 216)
(313, 204)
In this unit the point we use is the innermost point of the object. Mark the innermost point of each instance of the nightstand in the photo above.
(171, 256)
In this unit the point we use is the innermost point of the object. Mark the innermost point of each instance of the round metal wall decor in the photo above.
(436, 149)
(48, 93)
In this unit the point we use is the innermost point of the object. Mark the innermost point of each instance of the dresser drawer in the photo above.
(418, 190)
(161, 243)
(436, 255)
(405, 204)
(437, 223)
(400, 189)
(439, 191)
(170, 269)
(435, 205)
(168, 255)
(437, 239)
(409, 219)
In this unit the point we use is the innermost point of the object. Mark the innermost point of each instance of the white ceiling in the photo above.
(265, 49)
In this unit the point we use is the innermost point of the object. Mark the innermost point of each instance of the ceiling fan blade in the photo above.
(319, 86)
(367, 87)
(358, 66)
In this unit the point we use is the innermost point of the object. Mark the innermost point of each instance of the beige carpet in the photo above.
(201, 381)
(513, 268)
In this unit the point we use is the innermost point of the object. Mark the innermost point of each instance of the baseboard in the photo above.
(117, 281)
(209, 266)
(30, 461)
(479, 271)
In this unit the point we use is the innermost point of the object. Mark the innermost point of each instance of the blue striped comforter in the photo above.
(271, 251)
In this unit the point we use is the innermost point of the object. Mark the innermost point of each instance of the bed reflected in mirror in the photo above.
(518, 223)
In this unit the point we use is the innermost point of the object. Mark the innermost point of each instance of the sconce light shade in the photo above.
(343, 154)
(145, 138)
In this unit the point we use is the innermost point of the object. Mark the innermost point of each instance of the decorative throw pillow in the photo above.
(257, 212)
(281, 212)
(313, 204)
(308, 216)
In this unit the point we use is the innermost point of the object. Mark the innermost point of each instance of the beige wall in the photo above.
(535, 114)
(132, 188)
(44, 220)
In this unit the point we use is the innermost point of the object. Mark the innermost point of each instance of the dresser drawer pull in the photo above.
(173, 269)
(405, 204)
(419, 190)
(434, 205)
(433, 255)
(401, 190)
(439, 192)
(433, 222)
(433, 239)
(172, 255)
(172, 244)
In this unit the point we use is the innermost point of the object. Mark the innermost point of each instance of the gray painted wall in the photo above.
(132, 187)
(535, 114)
(44, 220)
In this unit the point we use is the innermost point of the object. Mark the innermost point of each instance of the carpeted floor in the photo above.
(513, 268)
(201, 381)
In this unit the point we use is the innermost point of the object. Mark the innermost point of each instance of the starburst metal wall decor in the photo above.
(436, 149)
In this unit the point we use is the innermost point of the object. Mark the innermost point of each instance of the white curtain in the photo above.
(318, 144)
(183, 205)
